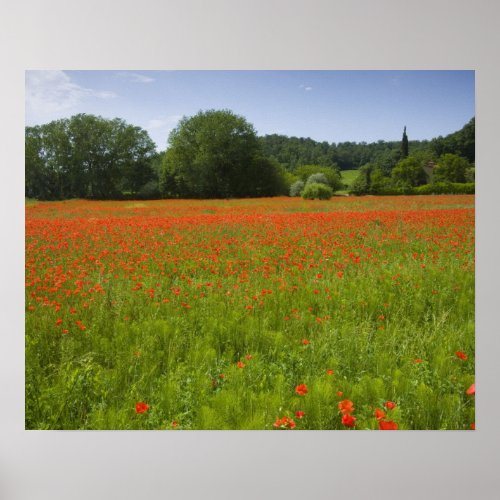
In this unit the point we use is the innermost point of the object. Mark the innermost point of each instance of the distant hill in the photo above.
(292, 152)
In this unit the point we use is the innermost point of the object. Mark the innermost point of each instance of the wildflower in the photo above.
(346, 406)
(418, 361)
(348, 420)
(174, 424)
(248, 357)
(299, 414)
(58, 321)
(301, 389)
(473, 426)
(461, 355)
(284, 423)
(141, 407)
(471, 390)
(387, 425)
(390, 405)
(340, 394)
(305, 342)
(221, 376)
(239, 364)
(379, 414)
(329, 372)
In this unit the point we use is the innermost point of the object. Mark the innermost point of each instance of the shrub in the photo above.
(447, 188)
(451, 168)
(317, 191)
(296, 188)
(317, 178)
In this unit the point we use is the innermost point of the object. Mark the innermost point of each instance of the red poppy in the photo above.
(379, 414)
(471, 390)
(305, 342)
(340, 394)
(348, 420)
(390, 405)
(301, 389)
(299, 414)
(346, 406)
(473, 426)
(329, 372)
(239, 364)
(461, 355)
(174, 424)
(249, 357)
(141, 407)
(59, 321)
(387, 425)
(284, 423)
(418, 360)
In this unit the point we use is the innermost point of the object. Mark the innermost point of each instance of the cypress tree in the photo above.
(404, 144)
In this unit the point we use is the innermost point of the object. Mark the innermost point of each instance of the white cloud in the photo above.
(305, 87)
(52, 94)
(160, 127)
(136, 77)
(164, 122)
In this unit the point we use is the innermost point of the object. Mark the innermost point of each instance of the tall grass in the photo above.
(213, 319)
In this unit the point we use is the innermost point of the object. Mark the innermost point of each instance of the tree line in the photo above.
(214, 154)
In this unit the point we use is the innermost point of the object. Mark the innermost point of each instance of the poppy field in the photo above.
(271, 314)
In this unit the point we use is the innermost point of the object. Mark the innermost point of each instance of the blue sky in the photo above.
(333, 106)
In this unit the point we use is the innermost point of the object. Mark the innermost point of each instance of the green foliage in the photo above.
(304, 172)
(296, 188)
(361, 184)
(317, 191)
(461, 143)
(451, 168)
(216, 154)
(409, 172)
(86, 156)
(404, 145)
(446, 188)
(317, 179)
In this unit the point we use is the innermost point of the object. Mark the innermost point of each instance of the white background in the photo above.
(248, 34)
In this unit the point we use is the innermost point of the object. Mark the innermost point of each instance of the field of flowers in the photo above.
(353, 313)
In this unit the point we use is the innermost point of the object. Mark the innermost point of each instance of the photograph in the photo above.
(273, 250)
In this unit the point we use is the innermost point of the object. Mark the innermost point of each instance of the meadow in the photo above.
(277, 313)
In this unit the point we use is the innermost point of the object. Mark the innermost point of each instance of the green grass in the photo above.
(347, 177)
(160, 308)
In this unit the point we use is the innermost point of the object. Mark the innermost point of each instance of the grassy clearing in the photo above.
(239, 314)
(347, 177)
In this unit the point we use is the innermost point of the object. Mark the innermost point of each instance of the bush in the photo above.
(317, 191)
(331, 174)
(447, 188)
(318, 178)
(451, 168)
(296, 188)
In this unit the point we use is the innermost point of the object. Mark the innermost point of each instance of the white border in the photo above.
(241, 34)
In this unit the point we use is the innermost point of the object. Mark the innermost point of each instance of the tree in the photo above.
(362, 183)
(86, 156)
(216, 154)
(404, 145)
(296, 188)
(452, 168)
(409, 172)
